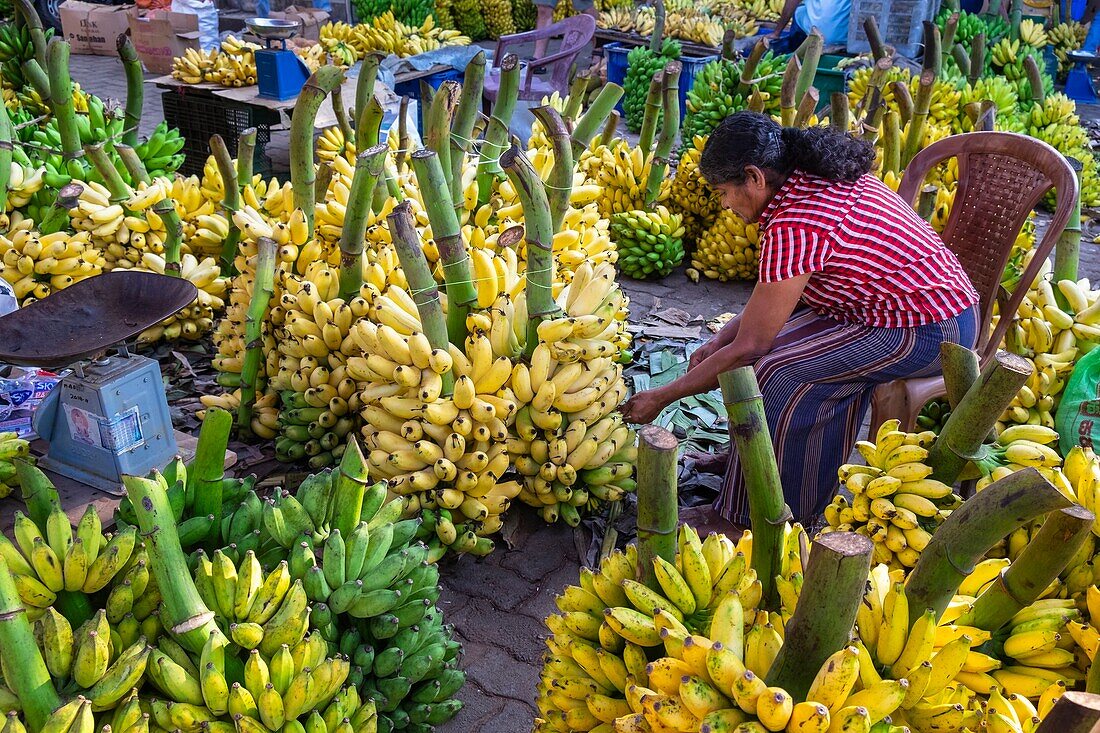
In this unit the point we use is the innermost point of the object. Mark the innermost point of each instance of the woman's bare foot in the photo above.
(710, 462)
(704, 519)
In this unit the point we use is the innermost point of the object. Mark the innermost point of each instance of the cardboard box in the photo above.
(161, 35)
(93, 29)
(310, 18)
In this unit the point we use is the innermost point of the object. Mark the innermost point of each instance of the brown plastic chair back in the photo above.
(1002, 176)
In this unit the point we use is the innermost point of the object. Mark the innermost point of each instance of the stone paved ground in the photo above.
(497, 603)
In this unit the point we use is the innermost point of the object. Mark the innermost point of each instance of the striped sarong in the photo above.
(817, 383)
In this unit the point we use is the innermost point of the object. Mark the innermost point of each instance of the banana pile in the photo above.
(37, 264)
(45, 564)
(621, 170)
(894, 502)
(642, 64)
(233, 64)
(412, 12)
(11, 448)
(713, 95)
(953, 683)
(386, 34)
(1066, 37)
(690, 196)
(611, 626)
(650, 243)
(1033, 34)
(1051, 338)
(524, 15)
(131, 235)
(686, 24)
(728, 250)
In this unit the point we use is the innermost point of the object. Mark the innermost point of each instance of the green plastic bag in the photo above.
(1078, 416)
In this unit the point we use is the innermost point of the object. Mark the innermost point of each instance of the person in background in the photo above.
(1092, 38)
(545, 17)
(854, 290)
(830, 17)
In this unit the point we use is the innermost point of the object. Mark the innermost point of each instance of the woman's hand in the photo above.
(644, 407)
(703, 352)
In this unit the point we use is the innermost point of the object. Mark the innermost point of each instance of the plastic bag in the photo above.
(208, 19)
(8, 302)
(1078, 416)
(22, 389)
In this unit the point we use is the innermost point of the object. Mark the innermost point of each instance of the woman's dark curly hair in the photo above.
(750, 138)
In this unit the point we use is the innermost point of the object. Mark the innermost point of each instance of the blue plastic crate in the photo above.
(615, 53)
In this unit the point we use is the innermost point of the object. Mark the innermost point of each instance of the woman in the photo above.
(854, 290)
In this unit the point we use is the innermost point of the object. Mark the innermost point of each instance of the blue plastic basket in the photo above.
(615, 53)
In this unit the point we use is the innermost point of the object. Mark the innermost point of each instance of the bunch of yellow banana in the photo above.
(11, 448)
(45, 564)
(727, 250)
(23, 183)
(691, 197)
(205, 226)
(1033, 34)
(213, 188)
(309, 365)
(1066, 37)
(1025, 446)
(331, 144)
(265, 411)
(194, 66)
(1051, 338)
(196, 320)
(314, 57)
(36, 265)
(245, 599)
(126, 230)
(894, 502)
(618, 18)
(387, 34)
(439, 452)
(610, 626)
(622, 170)
(692, 25)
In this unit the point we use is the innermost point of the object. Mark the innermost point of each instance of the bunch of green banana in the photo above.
(99, 660)
(412, 12)
(727, 250)
(642, 64)
(714, 93)
(46, 561)
(161, 152)
(650, 243)
(524, 15)
(16, 47)
(468, 18)
(498, 17)
(894, 502)
(611, 628)
(933, 416)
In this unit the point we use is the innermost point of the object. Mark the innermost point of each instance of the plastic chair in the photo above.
(1002, 176)
(575, 31)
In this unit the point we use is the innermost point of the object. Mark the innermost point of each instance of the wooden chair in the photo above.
(1002, 176)
(575, 31)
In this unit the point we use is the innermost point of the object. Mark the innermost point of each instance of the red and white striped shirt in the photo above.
(874, 260)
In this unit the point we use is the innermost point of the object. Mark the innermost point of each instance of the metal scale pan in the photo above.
(87, 318)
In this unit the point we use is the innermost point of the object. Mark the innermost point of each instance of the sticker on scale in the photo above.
(117, 434)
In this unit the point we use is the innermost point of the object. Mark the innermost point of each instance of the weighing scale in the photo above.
(109, 415)
(280, 74)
